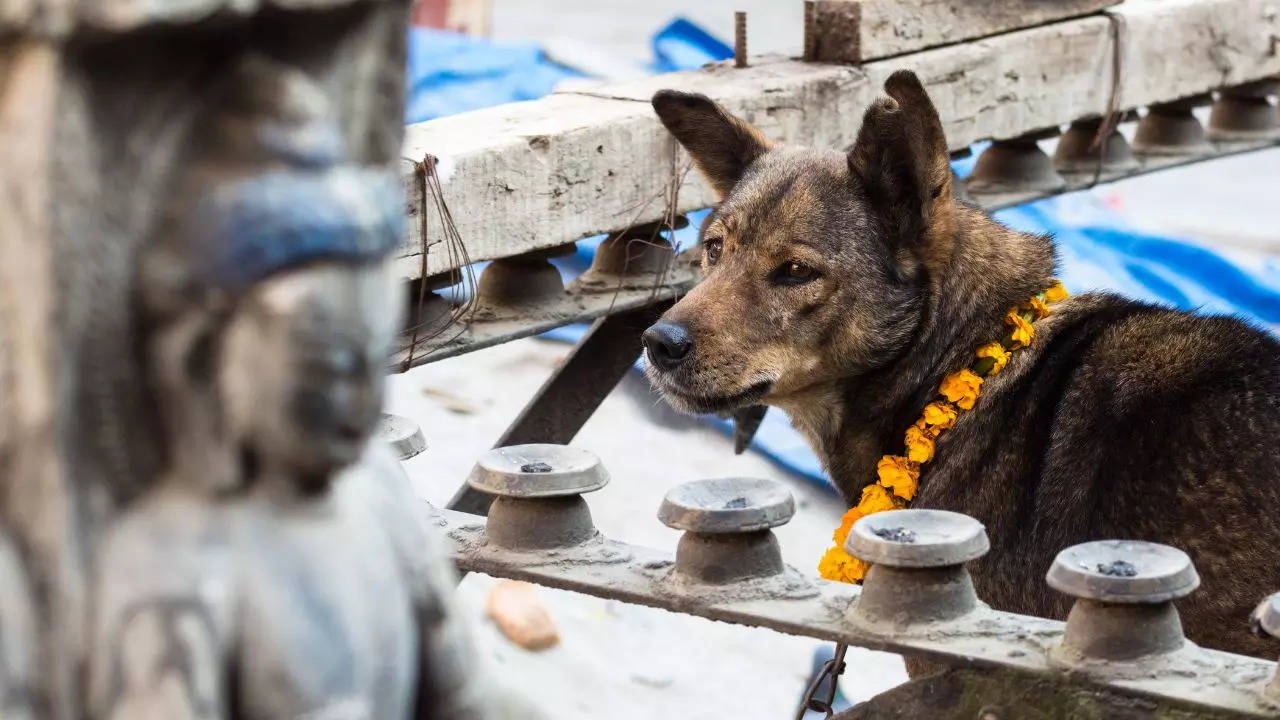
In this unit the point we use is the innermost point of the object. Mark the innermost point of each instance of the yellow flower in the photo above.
(961, 388)
(1055, 293)
(1039, 308)
(897, 473)
(998, 355)
(919, 441)
(939, 415)
(1022, 332)
(851, 516)
(840, 566)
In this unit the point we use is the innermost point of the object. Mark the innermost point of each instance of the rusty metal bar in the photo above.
(740, 39)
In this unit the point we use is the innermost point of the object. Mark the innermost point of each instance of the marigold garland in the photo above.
(899, 475)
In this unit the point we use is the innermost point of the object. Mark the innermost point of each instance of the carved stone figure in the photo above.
(98, 101)
(281, 566)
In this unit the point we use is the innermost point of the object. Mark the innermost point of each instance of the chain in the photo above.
(831, 669)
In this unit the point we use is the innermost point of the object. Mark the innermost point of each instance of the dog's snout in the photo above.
(668, 344)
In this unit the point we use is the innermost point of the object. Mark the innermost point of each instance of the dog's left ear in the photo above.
(722, 146)
(902, 160)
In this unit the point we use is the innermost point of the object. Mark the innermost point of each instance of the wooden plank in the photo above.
(533, 175)
(855, 31)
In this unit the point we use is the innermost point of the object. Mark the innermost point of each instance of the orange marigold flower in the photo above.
(998, 355)
(939, 415)
(897, 473)
(851, 516)
(1039, 308)
(840, 566)
(1055, 293)
(920, 442)
(1022, 332)
(961, 388)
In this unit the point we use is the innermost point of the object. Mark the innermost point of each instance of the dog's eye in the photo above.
(711, 248)
(793, 273)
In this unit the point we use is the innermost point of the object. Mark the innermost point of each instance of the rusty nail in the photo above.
(740, 39)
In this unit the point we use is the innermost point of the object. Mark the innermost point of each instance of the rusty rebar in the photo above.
(740, 39)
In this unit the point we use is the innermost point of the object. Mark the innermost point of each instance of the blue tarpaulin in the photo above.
(449, 73)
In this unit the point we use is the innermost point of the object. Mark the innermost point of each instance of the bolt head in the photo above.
(1123, 571)
(538, 471)
(727, 505)
(917, 538)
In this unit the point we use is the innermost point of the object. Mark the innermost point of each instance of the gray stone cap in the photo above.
(403, 434)
(1123, 571)
(538, 470)
(727, 505)
(917, 538)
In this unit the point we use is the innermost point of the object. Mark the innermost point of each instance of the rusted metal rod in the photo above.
(740, 39)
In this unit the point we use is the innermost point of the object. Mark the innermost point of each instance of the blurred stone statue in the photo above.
(280, 567)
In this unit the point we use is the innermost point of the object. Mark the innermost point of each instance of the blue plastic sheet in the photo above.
(450, 73)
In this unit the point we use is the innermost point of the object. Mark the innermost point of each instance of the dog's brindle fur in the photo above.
(848, 284)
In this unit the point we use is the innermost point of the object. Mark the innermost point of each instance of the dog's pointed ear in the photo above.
(902, 160)
(722, 146)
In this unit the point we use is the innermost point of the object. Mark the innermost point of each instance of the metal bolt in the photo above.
(727, 527)
(538, 489)
(1076, 152)
(1017, 165)
(1245, 114)
(917, 570)
(1171, 129)
(1125, 591)
(403, 434)
(740, 39)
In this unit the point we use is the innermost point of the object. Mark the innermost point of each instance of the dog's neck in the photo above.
(851, 423)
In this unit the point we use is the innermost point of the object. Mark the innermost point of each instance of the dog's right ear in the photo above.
(722, 146)
(901, 158)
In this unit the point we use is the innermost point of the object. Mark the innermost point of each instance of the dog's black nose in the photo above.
(668, 344)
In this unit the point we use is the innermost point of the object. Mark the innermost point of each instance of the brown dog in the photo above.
(843, 286)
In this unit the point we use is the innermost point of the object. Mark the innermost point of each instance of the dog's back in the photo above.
(1127, 421)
